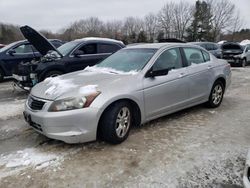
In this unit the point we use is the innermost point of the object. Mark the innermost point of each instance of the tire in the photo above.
(109, 130)
(52, 74)
(244, 63)
(216, 95)
(1, 75)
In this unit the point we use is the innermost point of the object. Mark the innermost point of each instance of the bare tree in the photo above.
(151, 24)
(165, 18)
(182, 15)
(113, 29)
(223, 15)
(237, 24)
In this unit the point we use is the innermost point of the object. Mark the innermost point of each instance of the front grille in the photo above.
(35, 104)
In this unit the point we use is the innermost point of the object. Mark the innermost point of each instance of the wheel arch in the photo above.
(136, 111)
(42, 75)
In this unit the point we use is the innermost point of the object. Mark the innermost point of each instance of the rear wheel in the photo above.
(52, 74)
(116, 122)
(1, 75)
(216, 95)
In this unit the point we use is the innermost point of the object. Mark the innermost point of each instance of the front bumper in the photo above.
(74, 126)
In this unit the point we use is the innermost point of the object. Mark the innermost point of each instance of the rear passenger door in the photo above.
(105, 50)
(199, 73)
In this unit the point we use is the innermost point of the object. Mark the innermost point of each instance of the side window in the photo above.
(108, 48)
(24, 48)
(88, 49)
(193, 56)
(206, 56)
(170, 59)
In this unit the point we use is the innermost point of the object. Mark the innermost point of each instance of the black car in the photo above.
(17, 52)
(213, 48)
(72, 56)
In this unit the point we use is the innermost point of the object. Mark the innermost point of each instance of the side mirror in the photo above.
(78, 53)
(154, 73)
(246, 50)
(11, 52)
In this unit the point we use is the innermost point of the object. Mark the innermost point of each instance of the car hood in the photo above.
(38, 40)
(81, 82)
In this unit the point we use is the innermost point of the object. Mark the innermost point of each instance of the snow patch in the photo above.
(87, 90)
(30, 157)
(107, 70)
(58, 85)
(13, 109)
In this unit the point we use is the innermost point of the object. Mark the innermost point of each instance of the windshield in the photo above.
(8, 46)
(67, 48)
(127, 60)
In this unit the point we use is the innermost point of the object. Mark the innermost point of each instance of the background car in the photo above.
(131, 87)
(230, 50)
(244, 58)
(211, 47)
(17, 52)
(70, 57)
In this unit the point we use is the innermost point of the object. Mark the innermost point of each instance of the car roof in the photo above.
(99, 39)
(159, 45)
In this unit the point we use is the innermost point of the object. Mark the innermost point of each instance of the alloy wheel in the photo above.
(123, 122)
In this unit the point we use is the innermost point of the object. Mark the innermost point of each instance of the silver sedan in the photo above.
(133, 86)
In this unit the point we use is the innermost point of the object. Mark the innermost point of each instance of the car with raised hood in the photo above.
(70, 57)
(21, 51)
(131, 87)
(213, 48)
(231, 51)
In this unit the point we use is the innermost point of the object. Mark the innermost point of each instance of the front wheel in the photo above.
(216, 95)
(116, 122)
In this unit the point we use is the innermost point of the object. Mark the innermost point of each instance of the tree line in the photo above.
(206, 20)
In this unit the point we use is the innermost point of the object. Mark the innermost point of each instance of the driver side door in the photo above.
(168, 93)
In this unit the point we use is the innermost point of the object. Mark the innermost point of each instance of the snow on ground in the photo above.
(35, 158)
(11, 109)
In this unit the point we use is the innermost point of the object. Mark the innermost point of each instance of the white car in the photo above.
(244, 58)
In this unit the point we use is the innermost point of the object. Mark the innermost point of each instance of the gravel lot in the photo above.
(197, 147)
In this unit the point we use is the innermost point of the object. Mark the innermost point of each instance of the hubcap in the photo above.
(217, 94)
(123, 122)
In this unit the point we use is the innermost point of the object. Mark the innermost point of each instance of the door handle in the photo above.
(209, 66)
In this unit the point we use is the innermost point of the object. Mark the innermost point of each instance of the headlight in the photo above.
(73, 103)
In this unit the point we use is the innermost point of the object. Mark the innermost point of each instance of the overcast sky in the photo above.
(56, 14)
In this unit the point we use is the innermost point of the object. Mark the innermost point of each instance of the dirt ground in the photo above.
(197, 147)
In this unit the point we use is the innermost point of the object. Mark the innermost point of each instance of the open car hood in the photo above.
(38, 40)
